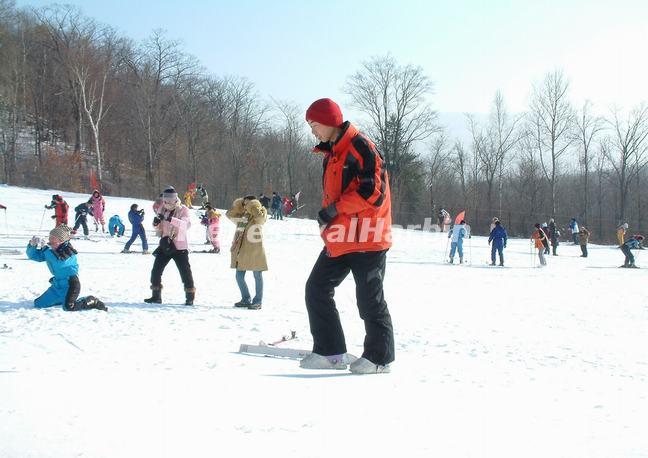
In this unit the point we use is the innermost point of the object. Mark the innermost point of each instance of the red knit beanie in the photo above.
(326, 112)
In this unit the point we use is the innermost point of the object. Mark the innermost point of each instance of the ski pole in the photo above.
(470, 250)
(533, 259)
(6, 222)
(445, 252)
(41, 222)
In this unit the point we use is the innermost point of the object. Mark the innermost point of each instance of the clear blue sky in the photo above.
(303, 50)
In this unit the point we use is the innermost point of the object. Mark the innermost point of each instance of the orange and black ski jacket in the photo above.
(356, 181)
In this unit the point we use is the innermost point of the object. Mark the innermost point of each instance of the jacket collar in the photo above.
(344, 140)
(341, 143)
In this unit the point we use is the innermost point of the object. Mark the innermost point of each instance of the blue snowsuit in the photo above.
(458, 232)
(498, 238)
(62, 269)
(136, 219)
(632, 244)
(116, 221)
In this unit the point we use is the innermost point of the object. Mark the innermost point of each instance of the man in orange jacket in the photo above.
(355, 223)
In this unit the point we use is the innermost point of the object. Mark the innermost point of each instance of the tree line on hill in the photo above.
(79, 99)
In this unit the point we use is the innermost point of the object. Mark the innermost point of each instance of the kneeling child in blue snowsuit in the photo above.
(116, 226)
(61, 260)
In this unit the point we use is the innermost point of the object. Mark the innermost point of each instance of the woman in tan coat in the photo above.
(247, 247)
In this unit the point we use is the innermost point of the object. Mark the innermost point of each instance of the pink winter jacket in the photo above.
(179, 224)
(98, 206)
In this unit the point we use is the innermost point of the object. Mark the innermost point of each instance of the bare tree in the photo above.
(245, 120)
(157, 71)
(191, 105)
(93, 64)
(504, 134)
(394, 97)
(436, 166)
(551, 119)
(628, 153)
(292, 136)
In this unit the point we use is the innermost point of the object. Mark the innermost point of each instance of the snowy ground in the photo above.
(516, 361)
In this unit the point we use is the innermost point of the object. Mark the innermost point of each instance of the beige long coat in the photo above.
(247, 247)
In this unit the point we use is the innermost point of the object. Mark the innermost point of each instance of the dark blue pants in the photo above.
(500, 250)
(138, 231)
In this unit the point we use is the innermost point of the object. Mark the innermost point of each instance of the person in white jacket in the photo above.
(457, 234)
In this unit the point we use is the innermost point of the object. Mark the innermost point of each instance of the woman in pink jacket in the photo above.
(98, 206)
(171, 224)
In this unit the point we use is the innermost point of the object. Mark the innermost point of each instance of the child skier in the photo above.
(98, 206)
(81, 219)
(633, 243)
(498, 237)
(116, 226)
(554, 237)
(583, 239)
(204, 197)
(213, 227)
(136, 217)
(545, 242)
(188, 196)
(61, 260)
(457, 233)
(539, 237)
(60, 209)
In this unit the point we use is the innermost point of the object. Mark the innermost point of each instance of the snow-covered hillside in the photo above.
(515, 361)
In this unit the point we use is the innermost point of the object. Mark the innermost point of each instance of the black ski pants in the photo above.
(81, 221)
(368, 269)
(181, 259)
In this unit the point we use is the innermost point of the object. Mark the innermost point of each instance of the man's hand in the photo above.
(326, 215)
(35, 241)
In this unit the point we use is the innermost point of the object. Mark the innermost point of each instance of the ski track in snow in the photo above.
(515, 361)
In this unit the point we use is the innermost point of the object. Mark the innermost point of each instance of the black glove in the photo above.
(53, 217)
(326, 215)
(141, 212)
(156, 221)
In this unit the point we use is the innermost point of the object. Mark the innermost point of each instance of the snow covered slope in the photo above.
(516, 361)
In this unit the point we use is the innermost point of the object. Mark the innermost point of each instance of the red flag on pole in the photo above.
(460, 216)
(93, 180)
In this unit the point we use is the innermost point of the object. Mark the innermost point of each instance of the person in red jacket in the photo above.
(60, 210)
(355, 223)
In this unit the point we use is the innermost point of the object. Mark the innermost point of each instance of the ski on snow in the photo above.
(272, 348)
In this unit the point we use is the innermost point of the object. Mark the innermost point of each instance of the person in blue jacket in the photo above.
(61, 261)
(116, 226)
(632, 244)
(457, 233)
(498, 237)
(136, 217)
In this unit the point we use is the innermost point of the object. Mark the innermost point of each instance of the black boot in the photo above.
(156, 296)
(190, 294)
(87, 303)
